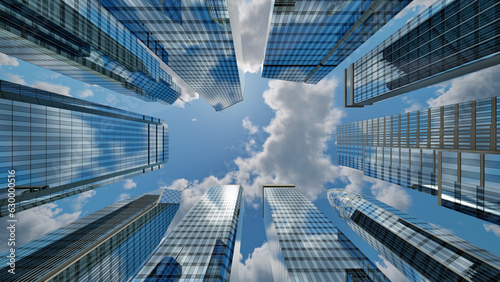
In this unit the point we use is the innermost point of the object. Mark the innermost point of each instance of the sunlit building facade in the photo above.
(420, 250)
(308, 39)
(199, 40)
(84, 41)
(449, 39)
(108, 245)
(451, 152)
(305, 246)
(60, 146)
(205, 245)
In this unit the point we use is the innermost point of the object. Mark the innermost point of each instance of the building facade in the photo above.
(60, 146)
(451, 152)
(305, 246)
(84, 41)
(448, 39)
(108, 245)
(205, 245)
(308, 39)
(420, 250)
(199, 40)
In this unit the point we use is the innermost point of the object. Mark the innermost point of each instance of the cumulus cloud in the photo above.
(492, 228)
(82, 199)
(390, 271)
(413, 105)
(123, 196)
(86, 93)
(8, 60)
(478, 85)
(56, 88)
(256, 267)
(129, 184)
(248, 125)
(36, 222)
(16, 79)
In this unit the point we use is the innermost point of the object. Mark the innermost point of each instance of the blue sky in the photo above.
(280, 133)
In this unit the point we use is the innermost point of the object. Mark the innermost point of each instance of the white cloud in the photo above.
(123, 196)
(247, 124)
(257, 267)
(254, 22)
(82, 199)
(129, 184)
(56, 88)
(38, 221)
(415, 7)
(478, 85)
(110, 98)
(492, 228)
(86, 93)
(8, 60)
(413, 105)
(390, 271)
(194, 119)
(16, 79)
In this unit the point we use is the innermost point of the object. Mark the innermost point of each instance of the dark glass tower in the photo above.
(308, 39)
(108, 245)
(205, 245)
(451, 152)
(60, 146)
(304, 244)
(199, 40)
(421, 251)
(82, 40)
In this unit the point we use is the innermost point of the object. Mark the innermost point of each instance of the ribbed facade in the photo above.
(108, 245)
(305, 246)
(60, 146)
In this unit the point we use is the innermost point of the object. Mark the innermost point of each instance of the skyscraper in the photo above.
(82, 40)
(308, 39)
(205, 245)
(450, 151)
(420, 250)
(447, 40)
(60, 146)
(199, 40)
(304, 244)
(108, 245)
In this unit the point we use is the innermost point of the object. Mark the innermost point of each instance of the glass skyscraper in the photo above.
(60, 146)
(420, 250)
(108, 245)
(308, 39)
(205, 245)
(305, 246)
(199, 40)
(452, 152)
(449, 39)
(84, 41)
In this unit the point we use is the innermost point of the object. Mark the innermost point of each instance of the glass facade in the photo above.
(420, 250)
(199, 40)
(205, 244)
(308, 39)
(448, 39)
(60, 146)
(108, 245)
(305, 246)
(84, 41)
(450, 151)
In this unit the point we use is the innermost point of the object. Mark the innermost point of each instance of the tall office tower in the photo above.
(451, 151)
(308, 39)
(305, 246)
(82, 40)
(108, 245)
(205, 245)
(420, 250)
(449, 39)
(60, 146)
(199, 40)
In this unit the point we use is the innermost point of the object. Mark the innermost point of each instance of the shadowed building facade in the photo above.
(60, 146)
(308, 39)
(108, 245)
(305, 246)
(205, 245)
(420, 250)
